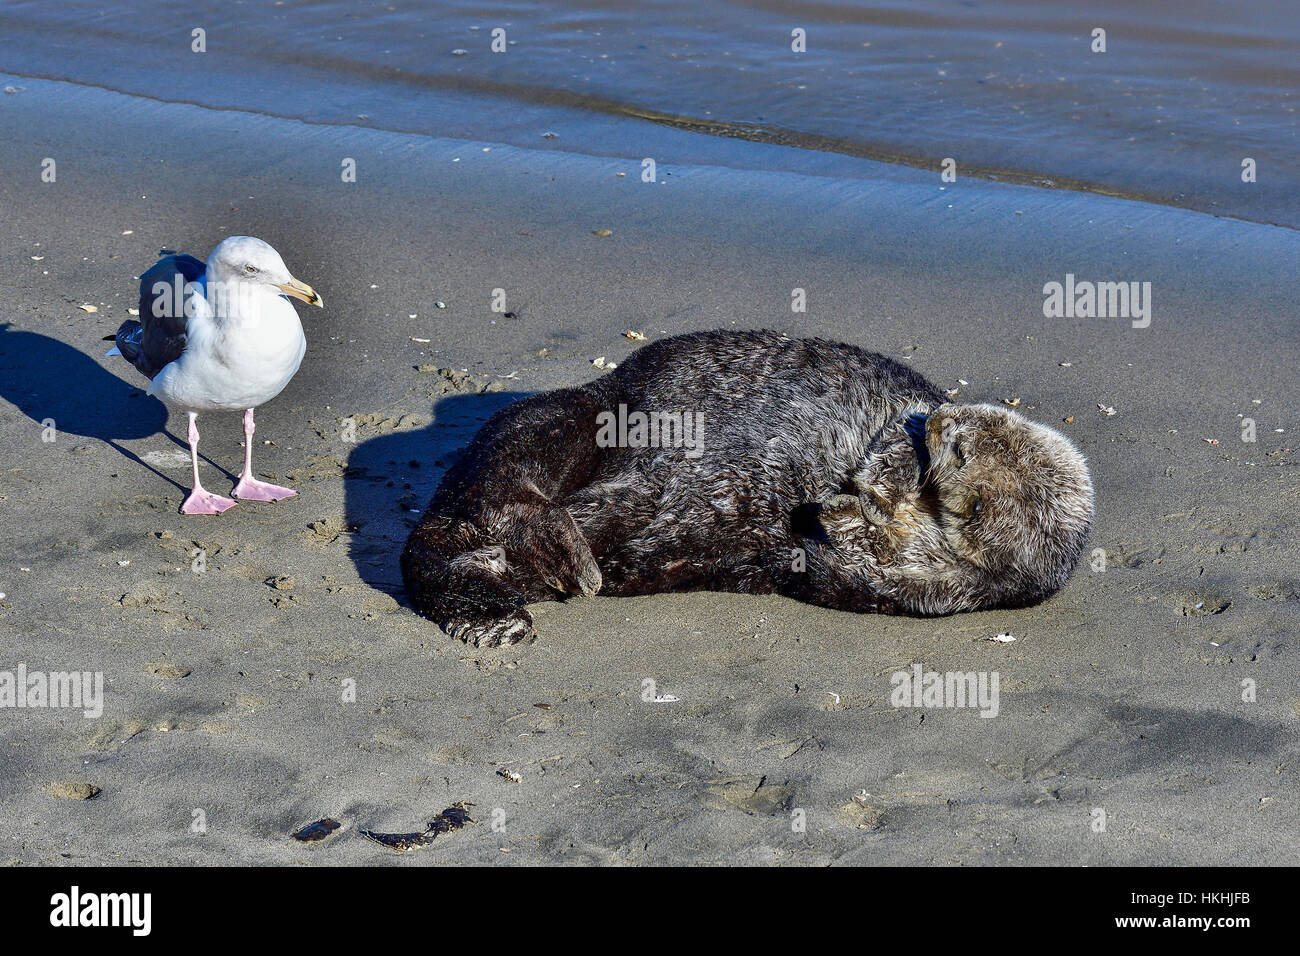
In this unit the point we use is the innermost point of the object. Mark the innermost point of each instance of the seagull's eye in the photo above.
(250, 269)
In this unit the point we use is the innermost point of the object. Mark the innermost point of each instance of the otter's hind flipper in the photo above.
(464, 588)
(548, 542)
(495, 535)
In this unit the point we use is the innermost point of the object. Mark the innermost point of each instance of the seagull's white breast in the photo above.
(236, 361)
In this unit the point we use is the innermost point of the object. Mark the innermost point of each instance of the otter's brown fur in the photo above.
(821, 471)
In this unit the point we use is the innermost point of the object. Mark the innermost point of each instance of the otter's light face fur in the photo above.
(1015, 497)
(963, 508)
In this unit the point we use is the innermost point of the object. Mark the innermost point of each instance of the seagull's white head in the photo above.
(242, 263)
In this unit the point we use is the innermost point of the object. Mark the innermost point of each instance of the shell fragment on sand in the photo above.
(75, 790)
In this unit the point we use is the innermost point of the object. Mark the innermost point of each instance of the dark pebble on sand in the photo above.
(319, 830)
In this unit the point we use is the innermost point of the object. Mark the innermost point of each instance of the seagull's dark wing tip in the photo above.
(158, 338)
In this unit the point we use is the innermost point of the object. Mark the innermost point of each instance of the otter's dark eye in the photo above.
(250, 269)
(978, 506)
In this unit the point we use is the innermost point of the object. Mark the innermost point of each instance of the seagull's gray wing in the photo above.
(158, 338)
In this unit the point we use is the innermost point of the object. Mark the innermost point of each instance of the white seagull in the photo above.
(219, 337)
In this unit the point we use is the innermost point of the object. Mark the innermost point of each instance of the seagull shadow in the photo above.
(58, 386)
(390, 478)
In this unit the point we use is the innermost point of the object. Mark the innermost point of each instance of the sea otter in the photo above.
(751, 462)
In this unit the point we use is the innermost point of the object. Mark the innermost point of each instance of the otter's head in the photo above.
(1015, 498)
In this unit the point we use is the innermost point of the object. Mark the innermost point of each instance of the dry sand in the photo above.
(224, 689)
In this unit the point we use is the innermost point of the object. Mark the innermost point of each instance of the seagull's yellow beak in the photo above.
(301, 290)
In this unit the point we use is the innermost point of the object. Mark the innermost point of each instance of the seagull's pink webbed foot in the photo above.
(249, 488)
(203, 502)
(200, 501)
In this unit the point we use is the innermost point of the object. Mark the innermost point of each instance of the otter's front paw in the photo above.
(842, 513)
(889, 481)
(891, 474)
(501, 632)
(553, 546)
(872, 511)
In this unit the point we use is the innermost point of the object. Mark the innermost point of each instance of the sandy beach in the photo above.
(226, 682)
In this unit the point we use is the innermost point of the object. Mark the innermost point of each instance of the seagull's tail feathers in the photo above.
(128, 341)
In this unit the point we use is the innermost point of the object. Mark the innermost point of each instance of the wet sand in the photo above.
(1123, 693)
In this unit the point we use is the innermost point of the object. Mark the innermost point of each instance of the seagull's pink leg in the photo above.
(249, 487)
(201, 501)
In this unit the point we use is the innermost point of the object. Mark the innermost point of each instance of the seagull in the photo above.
(219, 337)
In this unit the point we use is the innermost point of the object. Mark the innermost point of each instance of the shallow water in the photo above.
(1185, 90)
